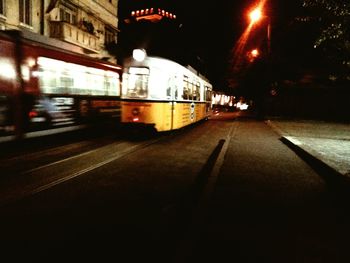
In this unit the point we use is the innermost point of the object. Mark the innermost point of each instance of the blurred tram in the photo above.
(43, 87)
(162, 94)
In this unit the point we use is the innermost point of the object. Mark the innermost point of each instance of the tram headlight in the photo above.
(135, 112)
(139, 54)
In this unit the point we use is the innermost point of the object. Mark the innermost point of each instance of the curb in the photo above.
(332, 177)
(328, 173)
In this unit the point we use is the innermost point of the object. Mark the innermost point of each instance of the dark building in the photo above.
(153, 28)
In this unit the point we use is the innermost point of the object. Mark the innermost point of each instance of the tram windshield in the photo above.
(135, 83)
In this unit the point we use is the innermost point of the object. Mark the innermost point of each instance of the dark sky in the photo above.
(211, 28)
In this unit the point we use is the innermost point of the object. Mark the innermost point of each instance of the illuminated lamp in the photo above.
(255, 15)
(139, 54)
(255, 53)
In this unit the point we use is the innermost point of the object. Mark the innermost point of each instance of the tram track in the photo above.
(41, 178)
(152, 189)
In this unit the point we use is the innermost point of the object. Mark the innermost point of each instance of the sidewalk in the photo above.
(326, 142)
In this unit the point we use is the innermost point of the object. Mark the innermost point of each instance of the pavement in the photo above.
(266, 204)
(327, 143)
(324, 144)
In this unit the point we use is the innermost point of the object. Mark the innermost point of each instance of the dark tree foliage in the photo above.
(333, 17)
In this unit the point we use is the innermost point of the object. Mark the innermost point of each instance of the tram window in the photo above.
(196, 95)
(66, 82)
(198, 91)
(168, 91)
(61, 77)
(136, 85)
(175, 89)
(186, 89)
(169, 88)
(112, 84)
(190, 91)
(96, 84)
(47, 80)
(80, 83)
(208, 94)
(185, 95)
(194, 92)
(141, 86)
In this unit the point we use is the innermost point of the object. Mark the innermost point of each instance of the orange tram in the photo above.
(162, 94)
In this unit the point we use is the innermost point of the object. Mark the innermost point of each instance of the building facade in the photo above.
(90, 25)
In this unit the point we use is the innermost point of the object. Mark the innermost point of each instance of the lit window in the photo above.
(25, 11)
(186, 88)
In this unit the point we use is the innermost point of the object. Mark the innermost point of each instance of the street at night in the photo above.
(175, 131)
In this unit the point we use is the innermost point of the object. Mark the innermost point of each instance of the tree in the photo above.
(333, 18)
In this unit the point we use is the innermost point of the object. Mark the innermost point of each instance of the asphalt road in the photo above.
(270, 206)
(222, 191)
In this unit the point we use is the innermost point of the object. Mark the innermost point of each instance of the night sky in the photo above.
(206, 32)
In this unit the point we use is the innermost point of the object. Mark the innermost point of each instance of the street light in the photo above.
(253, 54)
(255, 15)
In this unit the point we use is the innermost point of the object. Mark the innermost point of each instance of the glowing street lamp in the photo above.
(254, 53)
(255, 15)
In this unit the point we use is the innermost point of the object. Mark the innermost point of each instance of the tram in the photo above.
(45, 87)
(162, 94)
